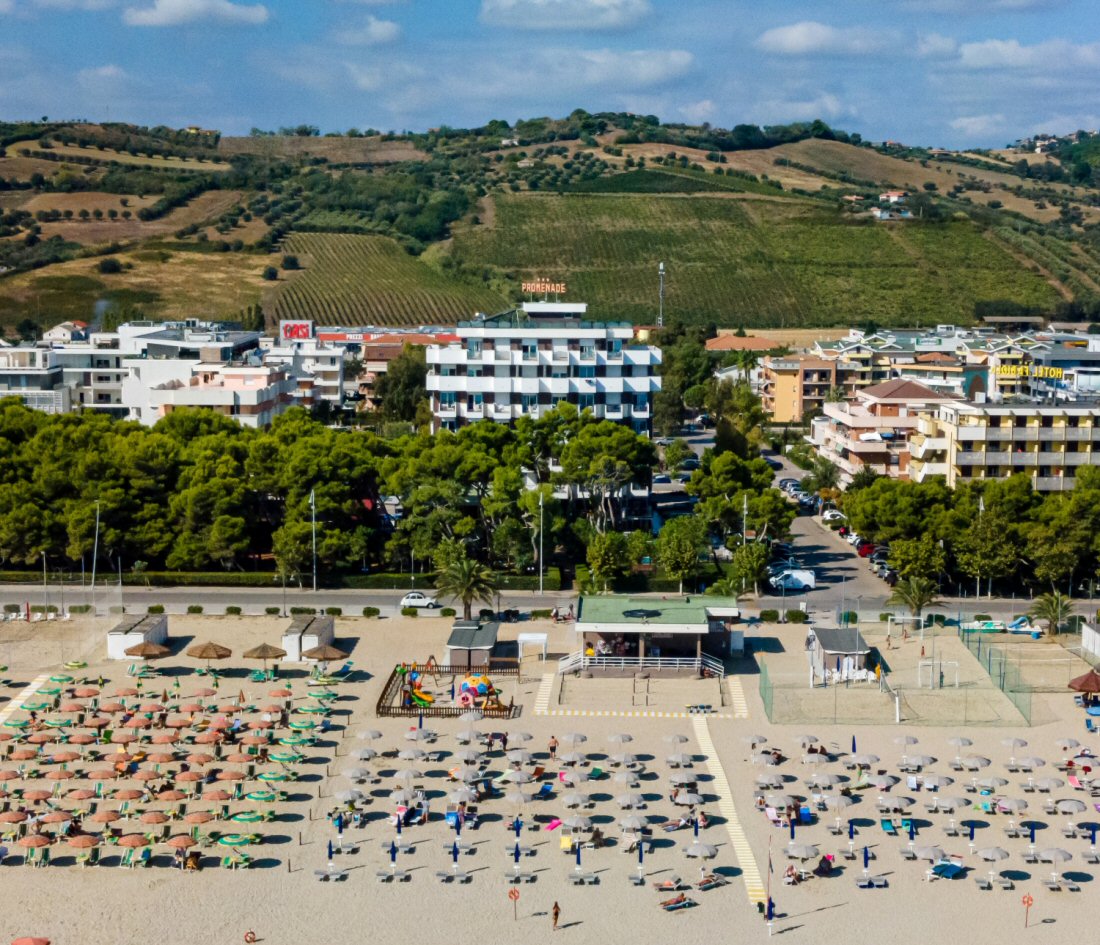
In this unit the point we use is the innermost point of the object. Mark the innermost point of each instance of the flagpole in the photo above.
(313, 514)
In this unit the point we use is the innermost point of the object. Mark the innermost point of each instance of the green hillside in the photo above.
(351, 280)
(748, 260)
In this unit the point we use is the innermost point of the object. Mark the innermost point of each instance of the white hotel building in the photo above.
(528, 360)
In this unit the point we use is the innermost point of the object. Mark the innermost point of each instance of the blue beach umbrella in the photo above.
(516, 854)
(641, 854)
(792, 828)
(851, 830)
(1092, 836)
(330, 851)
(912, 832)
(853, 744)
(866, 857)
(518, 824)
(452, 692)
(771, 908)
(398, 822)
(454, 852)
(393, 853)
(1031, 834)
(695, 824)
(972, 832)
(578, 856)
(420, 720)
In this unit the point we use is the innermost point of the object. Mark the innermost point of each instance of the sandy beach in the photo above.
(280, 898)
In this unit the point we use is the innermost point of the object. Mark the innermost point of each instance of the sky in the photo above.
(947, 73)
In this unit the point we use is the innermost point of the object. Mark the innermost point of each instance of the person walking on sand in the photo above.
(552, 745)
(554, 913)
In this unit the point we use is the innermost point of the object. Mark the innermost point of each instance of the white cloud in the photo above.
(935, 46)
(812, 38)
(372, 32)
(638, 68)
(980, 6)
(6, 6)
(77, 4)
(1051, 55)
(825, 105)
(110, 71)
(978, 126)
(564, 14)
(180, 12)
(698, 112)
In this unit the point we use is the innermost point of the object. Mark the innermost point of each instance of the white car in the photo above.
(794, 580)
(834, 515)
(418, 599)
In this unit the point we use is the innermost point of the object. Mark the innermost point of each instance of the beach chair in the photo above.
(1070, 885)
(545, 792)
(948, 870)
(1089, 727)
(711, 881)
(773, 816)
(888, 827)
(1053, 885)
(805, 816)
(145, 858)
(1075, 782)
(1004, 882)
(673, 884)
(907, 854)
(127, 858)
(595, 774)
(565, 843)
(983, 882)
(680, 902)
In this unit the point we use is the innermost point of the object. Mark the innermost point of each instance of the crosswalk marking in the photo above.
(626, 714)
(754, 885)
(737, 697)
(24, 695)
(542, 698)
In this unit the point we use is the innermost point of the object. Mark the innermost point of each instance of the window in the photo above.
(448, 370)
(586, 371)
(530, 350)
(588, 351)
(473, 349)
(615, 348)
(472, 371)
(447, 399)
(586, 400)
(530, 400)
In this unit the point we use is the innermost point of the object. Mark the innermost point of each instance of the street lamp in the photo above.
(45, 593)
(313, 516)
(541, 567)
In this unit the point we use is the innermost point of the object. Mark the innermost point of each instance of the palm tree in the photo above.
(467, 580)
(916, 593)
(726, 587)
(1053, 609)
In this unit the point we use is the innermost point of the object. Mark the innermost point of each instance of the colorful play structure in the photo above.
(476, 691)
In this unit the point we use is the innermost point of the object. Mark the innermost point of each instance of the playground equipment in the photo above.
(477, 691)
(412, 691)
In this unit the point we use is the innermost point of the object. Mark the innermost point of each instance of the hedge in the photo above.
(638, 583)
(448, 612)
(155, 609)
(77, 609)
(371, 611)
(797, 616)
(886, 618)
(41, 609)
(334, 611)
(541, 614)
(299, 611)
(233, 610)
(194, 608)
(410, 611)
(16, 608)
(273, 611)
(849, 616)
(769, 616)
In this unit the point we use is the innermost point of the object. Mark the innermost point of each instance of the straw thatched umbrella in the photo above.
(265, 652)
(147, 651)
(209, 651)
(325, 653)
(1089, 682)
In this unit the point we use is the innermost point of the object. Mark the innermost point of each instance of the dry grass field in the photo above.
(107, 154)
(339, 150)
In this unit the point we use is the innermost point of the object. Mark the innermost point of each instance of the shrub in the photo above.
(109, 266)
(849, 616)
(797, 616)
(334, 611)
(885, 618)
(409, 611)
(769, 616)
(272, 611)
(75, 609)
(15, 608)
(930, 619)
(233, 610)
(448, 612)
(298, 611)
(194, 608)
(371, 611)
(541, 614)
(40, 609)
(981, 617)
(270, 274)
(155, 609)
(485, 614)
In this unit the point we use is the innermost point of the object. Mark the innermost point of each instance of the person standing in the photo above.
(504, 741)
(554, 914)
(552, 745)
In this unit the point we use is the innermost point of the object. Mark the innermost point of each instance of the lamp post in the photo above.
(45, 592)
(95, 555)
(313, 518)
(541, 566)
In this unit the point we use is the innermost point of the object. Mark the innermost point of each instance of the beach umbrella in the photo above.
(815, 759)
(574, 799)
(470, 775)
(216, 795)
(145, 651)
(154, 817)
(1055, 855)
(906, 740)
(1049, 784)
(882, 781)
(701, 851)
(1030, 761)
(934, 781)
(133, 840)
(1069, 805)
(472, 715)
(633, 822)
(1068, 744)
(578, 852)
(678, 739)
(520, 757)
(620, 738)
(921, 761)
(678, 758)
(209, 651)
(837, 802)
(781, 800)
(518, 798)
(993, 854)
(419, 735)
(764, 758)
(469, 756)
(824, 779)
(265, 652)
(574, 738)
(625, 777)
(679, 777)
(577, 822)
(408, 775)
(625, 758)
(325, 653)
(364, 754)
(993, 783)
(805, 740)
(30, 940)
(517, 825)
(753, 740)
(1012, 804)
(695, 826)
(83, 841)
(865, 760)
(369, 734)
(524, 777)
(1089, 682)
(349, 797)
(572, 758)
(769, 781)
(912, 832)
(952, 803)
(520, 737)
(181, 841)
(802, 851)
(793, 822)
(467, 735)
(932, 854)
(198, 817)
(357, 774)
(851, 830)
(866, 857)
(630, 800)
(688, 799)
(412, 754)
(55, 817)
(973, 762)
(34, 840)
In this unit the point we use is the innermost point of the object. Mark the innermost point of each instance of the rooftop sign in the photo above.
(540, 287)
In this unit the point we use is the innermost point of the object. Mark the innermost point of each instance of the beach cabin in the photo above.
(676, 635)
(130, 631)
(305, 633)
(471, 643)
(841, 653)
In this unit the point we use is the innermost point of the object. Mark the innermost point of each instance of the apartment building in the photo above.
(524, 362)
(33, 374)
(794, 386)
(319, 368)
(872, 431)
(1048, 442)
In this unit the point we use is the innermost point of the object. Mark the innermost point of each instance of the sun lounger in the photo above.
(948, 870)
(680, 902)
(871, 882)
(1070, 885)
(1053, 885)
(773, 816)
(1075, 782)
(1091, 856)
(711, 881)
(888, 827)
(1031, 857)
(907, 854)
(675, 884)
(1005, 883)
(127, 858)
(323, 876)
(983, 882)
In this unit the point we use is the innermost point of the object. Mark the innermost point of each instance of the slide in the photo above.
(421, 698)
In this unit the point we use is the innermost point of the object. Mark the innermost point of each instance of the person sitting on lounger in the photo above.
(824, 867)
(674, 901)
(790, 876)
(703, 821)
(598, 839)
(675, 824)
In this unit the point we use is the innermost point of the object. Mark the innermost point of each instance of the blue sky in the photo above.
(934, 72)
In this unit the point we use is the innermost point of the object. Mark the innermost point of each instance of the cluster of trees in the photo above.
(998, 534)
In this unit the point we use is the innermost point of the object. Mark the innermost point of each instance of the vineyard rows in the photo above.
(358, 280)
(755, 262)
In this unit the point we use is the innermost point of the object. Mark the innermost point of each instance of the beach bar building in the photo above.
(842, 652)
(678, 635)
(131, 631)
(305, 633)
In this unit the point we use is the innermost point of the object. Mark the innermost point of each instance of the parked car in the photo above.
(890, 577)
(866, 550)
(853, 538)
(881, 553)
(692, 462)
(833, 515)
(796, 580)
(786, 484)
(661, 479)
(418, 599)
